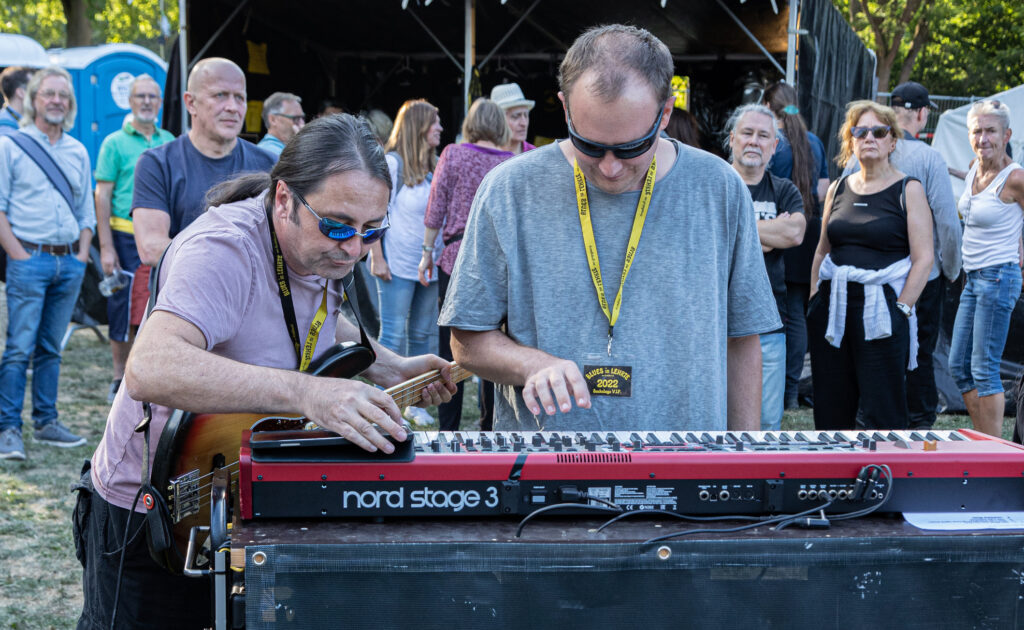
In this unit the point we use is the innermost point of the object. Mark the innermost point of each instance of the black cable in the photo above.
(124, 549)
(682, 517)
(606, 502)
(770, 521)
(562, 506)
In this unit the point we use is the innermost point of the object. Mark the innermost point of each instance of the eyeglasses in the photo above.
(878, 131)
(624, 151)
(292, 117)
(337, 231)
(146, 97)
(48, 94)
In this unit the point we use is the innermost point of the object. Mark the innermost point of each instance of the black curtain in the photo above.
(172, 93)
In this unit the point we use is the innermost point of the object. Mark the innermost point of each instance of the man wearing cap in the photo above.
(911, 102)
(614, 280)
(517, 113)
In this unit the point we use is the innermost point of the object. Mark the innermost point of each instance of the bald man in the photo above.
(171, 180)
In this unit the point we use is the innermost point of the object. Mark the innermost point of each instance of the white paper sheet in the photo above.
(959, 521)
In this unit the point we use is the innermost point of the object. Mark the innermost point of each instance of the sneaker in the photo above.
(419, 416)
(56, 434)
(11, 444)
(114, 386)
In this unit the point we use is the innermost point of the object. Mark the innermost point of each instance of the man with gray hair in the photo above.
(283, 116)
(12, 85)
(672, 343)
(779, 211)
(115, 181)
(916, 158)
(219, 341)
(46, 223)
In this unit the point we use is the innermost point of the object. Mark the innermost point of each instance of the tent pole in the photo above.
(752, 37)
(469, 54)
(183, 59)
(794, 9)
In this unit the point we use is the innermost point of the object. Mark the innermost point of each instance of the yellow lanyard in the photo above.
(590, 244)
(314, 332)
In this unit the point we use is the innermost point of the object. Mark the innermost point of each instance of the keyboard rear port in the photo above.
(723, 495)
(802, 495)
(843, 494)
(704, 495)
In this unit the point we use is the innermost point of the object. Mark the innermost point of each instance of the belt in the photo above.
(63, 249)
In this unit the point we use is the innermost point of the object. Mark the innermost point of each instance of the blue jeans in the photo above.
(773, 380)
(41, 294)
(982, 322)
(408, 316)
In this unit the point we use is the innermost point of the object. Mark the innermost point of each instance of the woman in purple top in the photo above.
(458, 174)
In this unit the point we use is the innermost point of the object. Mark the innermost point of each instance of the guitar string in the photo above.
(410, 388)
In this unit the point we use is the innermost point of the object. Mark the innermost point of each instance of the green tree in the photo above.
(92, 21)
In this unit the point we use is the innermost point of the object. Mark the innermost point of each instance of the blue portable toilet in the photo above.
(101, 77)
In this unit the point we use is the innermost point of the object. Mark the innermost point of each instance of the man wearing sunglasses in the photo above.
(220, 339)
(283, 116)
(614, 280)
(916, 158)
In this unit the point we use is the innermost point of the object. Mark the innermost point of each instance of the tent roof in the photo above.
(951, 134)
(19, 50)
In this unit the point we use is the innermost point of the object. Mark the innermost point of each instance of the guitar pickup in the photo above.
(184, 495)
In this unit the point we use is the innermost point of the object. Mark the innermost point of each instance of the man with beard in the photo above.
(219, 340)
(46, 223)
(171, 180)
(780, 225)
(115, 179)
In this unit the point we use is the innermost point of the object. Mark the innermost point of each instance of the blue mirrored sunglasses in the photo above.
(337, 231)
(624, 151)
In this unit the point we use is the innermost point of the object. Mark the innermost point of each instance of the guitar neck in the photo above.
(410, 392)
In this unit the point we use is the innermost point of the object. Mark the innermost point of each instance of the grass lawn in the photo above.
(40, 579)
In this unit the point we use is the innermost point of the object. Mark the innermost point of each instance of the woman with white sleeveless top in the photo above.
(991, 207)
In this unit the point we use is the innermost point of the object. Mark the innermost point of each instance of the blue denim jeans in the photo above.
(408, 316)
(982, 323)
(773, 380)
(41, 294)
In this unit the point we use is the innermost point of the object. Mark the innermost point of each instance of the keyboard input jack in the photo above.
(723, 495)
(812, 495)
(704, 495)
(832, 494)
(802, 495)
(843, 494)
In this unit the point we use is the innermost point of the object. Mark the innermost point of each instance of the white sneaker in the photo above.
(419, 416)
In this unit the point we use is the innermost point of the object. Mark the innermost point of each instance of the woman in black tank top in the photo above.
(877, 232)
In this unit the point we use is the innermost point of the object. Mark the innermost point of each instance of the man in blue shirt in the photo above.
(283, 116)
(40, 232)
(12, 84)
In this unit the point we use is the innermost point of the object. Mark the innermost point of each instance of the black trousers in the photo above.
(870, 375)
(796, 336)
(150, 597)
(449, 414)
(922, 396)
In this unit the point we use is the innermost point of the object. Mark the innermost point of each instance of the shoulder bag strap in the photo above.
(45, 162)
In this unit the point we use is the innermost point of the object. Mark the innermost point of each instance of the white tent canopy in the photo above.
(18, 50)
(951, 134)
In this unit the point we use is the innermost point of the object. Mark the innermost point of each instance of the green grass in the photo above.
(40, 578)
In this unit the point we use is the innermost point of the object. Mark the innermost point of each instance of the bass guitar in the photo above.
(195, 446)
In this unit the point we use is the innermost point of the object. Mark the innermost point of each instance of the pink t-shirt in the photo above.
(218, 275)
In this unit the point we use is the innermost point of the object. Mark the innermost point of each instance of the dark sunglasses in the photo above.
(878, 131)
(339, 231)
(624, 151)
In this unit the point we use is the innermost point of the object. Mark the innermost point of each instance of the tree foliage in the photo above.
(954, 47)
(126, 21)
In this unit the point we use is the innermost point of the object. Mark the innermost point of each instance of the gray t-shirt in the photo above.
(697, 279)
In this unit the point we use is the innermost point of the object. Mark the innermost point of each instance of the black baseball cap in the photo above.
(911, 95)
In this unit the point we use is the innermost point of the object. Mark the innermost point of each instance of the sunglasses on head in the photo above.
(624, 151)
(337, 231)
(878, 131)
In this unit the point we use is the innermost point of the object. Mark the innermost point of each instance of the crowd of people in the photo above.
(494, 253)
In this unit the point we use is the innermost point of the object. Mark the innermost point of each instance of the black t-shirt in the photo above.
(175, 177)
(773, 196)
(868, 231)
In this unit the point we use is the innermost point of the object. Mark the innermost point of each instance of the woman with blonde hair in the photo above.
(872, 262)
(991, 207)
(408, 309)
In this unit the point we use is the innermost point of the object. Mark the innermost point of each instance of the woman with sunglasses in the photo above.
(459, 172)
(408, 310)
(872, 262)
(991, 207)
